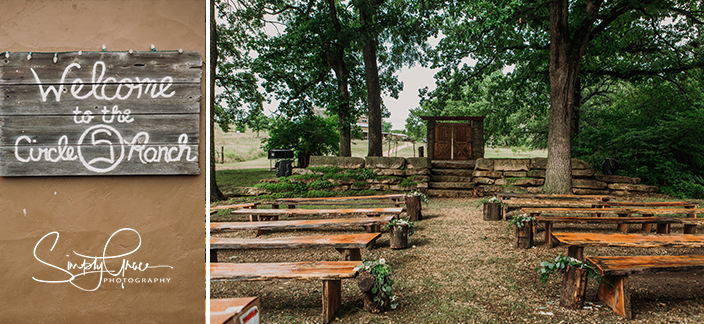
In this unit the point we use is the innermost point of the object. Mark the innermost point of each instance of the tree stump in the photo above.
(365, 282)
(399, 237)
(524, 235)
(492, 211)
(413, 208)
(574, 287)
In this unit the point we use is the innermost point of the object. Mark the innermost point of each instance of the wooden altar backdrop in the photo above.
(457, 138)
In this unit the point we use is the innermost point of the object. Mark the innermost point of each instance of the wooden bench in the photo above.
(577, 241)
(396, 199)
(505, 196)
(237, 206)
(371, 224)
(274, 214)
(349, 245)
(662, 223)
(535, 203)
(330, 273)
(234, 310)
(614, 292)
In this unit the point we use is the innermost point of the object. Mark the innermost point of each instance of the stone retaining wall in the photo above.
(528, 175)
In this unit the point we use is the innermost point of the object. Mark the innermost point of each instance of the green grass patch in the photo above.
(229, 179)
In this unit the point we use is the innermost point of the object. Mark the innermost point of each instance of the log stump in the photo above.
(413, 208)
(574, 287)
(365, 282)
(524, 235)
(399, 237)
(492, 211)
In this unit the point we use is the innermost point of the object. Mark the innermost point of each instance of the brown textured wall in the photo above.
(166, 211)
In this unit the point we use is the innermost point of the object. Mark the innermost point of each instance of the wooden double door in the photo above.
(453, 141)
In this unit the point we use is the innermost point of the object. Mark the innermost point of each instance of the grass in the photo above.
(229, 179)
(238, 147)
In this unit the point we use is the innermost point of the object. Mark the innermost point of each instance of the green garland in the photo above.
(381, 272)
(411, 225)
(561, 262)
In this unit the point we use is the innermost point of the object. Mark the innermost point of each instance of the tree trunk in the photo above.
(413, 208)
(492, 211)
(574, 287)
(365, 282)
(565, 58)
(399, 237)
(215, 193)
(524, 235)
(371, 73)
(336, 60)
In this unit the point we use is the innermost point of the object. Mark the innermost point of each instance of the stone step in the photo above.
(452, 172)
(449, 178)
(451, 185)
(450, 193)
(469, 164)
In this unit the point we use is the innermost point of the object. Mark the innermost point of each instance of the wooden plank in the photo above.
(561, 211)
(100, 113)
(223, 227)
(552, 196)
(305, 212)
(665, 211)
(332, 299)
(597, 220)
(348, 241)
(549, 203)
(614, 292)
(227, 207)
(284, 201)
(648, 204)
(626, 265)
(629, 240)
(317, 270)
(26, 100)
(115, 67)
(351, 203)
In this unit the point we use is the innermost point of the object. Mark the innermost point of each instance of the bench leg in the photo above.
(548, 235)
(351, 254)
(663, 228)
(647, 227)
(576, 252)
(332, 299)
(262, 231)
(614, 293)
(690, 229)
(213, 255)
(574, 288)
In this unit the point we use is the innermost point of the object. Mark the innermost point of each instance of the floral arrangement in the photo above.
(493, 200)
(411, 225)
(561, 262)
(520, 220)
(422, 196)
(381, 272)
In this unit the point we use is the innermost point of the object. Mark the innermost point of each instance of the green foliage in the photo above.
(546, 268)
(422, 196)
(654, 129)
(308, 134)
(383, 282)
(520, 220)
(401, 222)
(492, 199)
(367, 173)
(320, 185)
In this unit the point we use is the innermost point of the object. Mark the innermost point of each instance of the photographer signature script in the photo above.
(95, 265)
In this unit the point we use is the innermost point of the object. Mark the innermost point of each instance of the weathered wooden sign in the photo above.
(99, 113)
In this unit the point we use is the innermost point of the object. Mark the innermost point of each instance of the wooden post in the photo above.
(574, 287)
(399, 237)
(492, 211)
(351, 254)
(663, 228)
(623, 228)
(365, 282)
(332, 299)
(576, 251)
(548, 235)
(420, 151)
(213, 255)
(524, 235)
(413, 208)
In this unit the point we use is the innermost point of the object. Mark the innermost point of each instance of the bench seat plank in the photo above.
(552, 196)
(625, 265)
(685, 204)
(630, 240)
(562, 211)
(299, 212)
(549, 203)
(237, 206)
(549, 220)
(348, 241)
(284, 201)
(317, 270)
(222, 227)
(664, 211)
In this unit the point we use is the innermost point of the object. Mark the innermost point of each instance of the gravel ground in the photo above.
(462, 269)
